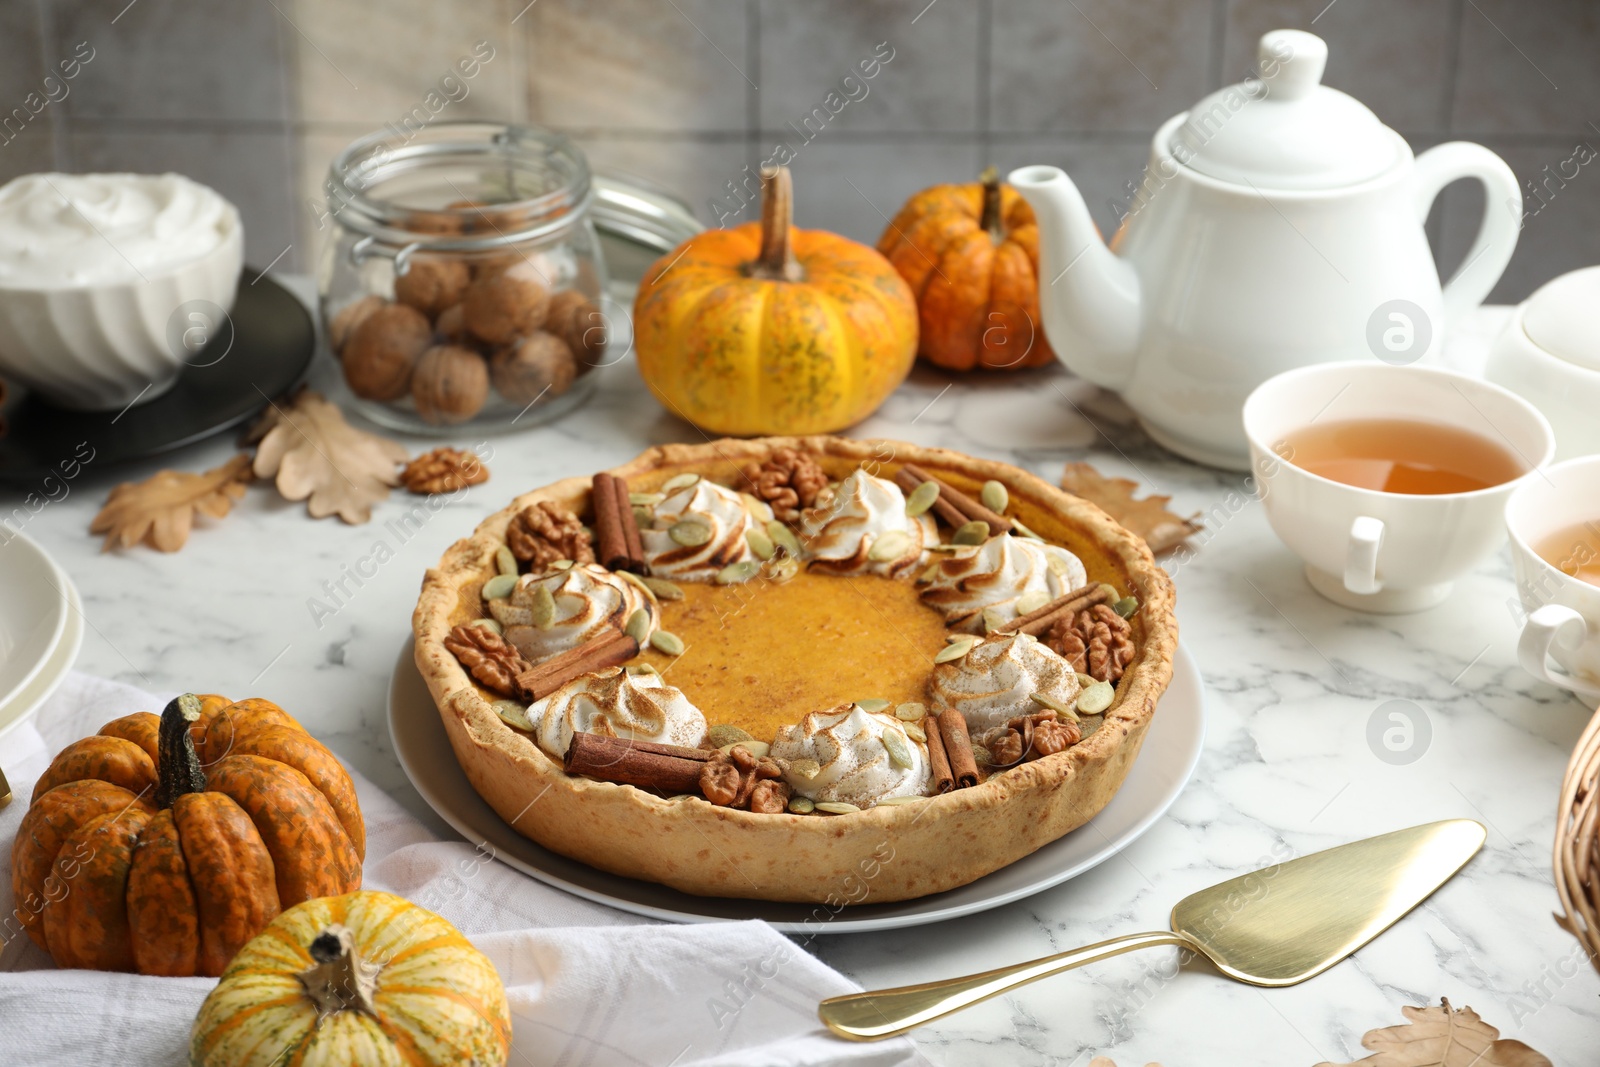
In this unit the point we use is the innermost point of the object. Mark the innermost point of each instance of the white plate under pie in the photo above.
(41, 628)
(1166, 762)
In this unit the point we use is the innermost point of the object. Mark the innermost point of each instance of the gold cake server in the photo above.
(1272, 927)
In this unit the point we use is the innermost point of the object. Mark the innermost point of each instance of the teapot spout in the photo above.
(1089, 298)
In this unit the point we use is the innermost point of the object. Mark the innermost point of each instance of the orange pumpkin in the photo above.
(163, 844)
(765, 329)
(971, 255)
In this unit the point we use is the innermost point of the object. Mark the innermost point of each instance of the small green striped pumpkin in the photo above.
(366, 978)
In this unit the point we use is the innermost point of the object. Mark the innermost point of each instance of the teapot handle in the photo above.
(1502, 218)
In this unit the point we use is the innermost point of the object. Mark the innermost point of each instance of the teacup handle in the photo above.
(1545, 627)
(1361, 556)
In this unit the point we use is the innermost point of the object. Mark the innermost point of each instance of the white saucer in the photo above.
(41, 625)
(1166, 762)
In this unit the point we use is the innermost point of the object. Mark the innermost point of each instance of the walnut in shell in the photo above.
(383, 351)
(450, 385)
(539, 366)
(506, 304)
(576, 320)
(347, 318)
(432, 283)
(451, 324)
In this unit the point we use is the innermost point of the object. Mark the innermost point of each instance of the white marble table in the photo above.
(1292, 682)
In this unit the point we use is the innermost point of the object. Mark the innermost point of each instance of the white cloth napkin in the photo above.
(587, 985)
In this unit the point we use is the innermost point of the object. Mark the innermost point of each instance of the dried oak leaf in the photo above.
(1443, 1037)
(312, 452)
(1149, 517)
(160, 510)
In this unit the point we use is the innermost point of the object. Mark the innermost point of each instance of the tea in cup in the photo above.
(1554, 523)
(1390, 482)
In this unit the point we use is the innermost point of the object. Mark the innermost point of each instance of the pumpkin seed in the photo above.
(1058, 566)
(499, 587)
(642, 668)
(784, 538)
(727, 734)
(642, 517)
(995, 496)
(781, 570)
(955, 650)
(975, 532)
(662, 588)
(638, 626)
(894, 802)
(760, 543)
(645, 500)
(1032, 601)
(837, 807)
(1096, 698)
(872, 704)
(561, 565)
(915, 732)
(981, 754)
(689, 533)
(513, 714)
(951, 639)
(1023, 639)
(667, 641)
(899, 749)
(680, 481)
(759, 509)
(889, 546)
(743, 571)
(801, 805)
(804, 768)
(492, 625)
(930, 574)
(1126, 607)
(993, 619)
(1111, 591)
(636, 581)
(922, 498)
(757, 749)
(951, 548)
(1024, 531)
(1060, 707)
(542, 610)
(911, 711)
(504, 561)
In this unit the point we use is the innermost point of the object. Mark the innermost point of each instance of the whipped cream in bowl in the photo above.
(855, 759)
(695, 531)
(102, 277)
(996, 680)
(546, 614)
(616, 703)
(862, 527)
(1004, 577)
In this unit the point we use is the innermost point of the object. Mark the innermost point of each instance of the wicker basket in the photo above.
(1577, 846)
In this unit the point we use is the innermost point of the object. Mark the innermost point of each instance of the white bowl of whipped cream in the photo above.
(111, 283)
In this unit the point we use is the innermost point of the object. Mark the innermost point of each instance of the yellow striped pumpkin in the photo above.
(366, 978)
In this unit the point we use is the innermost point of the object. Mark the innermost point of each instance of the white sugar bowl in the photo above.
(1550, 354)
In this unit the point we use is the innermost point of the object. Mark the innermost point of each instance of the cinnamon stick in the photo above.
(611, 539)
(633, 545)
(958, 748)
(947, 512)
(966, 505)
(1039, 621)
(637, 763)
(609, 649)
(938, 762)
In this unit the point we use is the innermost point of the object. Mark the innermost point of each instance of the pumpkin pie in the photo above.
(801, 669)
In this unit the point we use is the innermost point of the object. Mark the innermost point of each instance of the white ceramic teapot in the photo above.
(1279, 224)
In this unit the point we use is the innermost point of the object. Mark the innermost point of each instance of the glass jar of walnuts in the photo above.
(465, 283)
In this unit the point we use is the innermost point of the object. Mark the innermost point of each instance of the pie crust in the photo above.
(884, 853)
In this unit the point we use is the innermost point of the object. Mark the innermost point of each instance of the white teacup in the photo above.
(1377, 551)
(1562, 613)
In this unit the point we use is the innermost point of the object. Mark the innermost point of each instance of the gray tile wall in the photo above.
(254, 97)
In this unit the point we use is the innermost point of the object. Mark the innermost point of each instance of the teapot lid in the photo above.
(1283, 129)
(1563, 317)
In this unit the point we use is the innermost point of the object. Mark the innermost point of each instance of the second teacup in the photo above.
(1554, 523)
(1390, 532)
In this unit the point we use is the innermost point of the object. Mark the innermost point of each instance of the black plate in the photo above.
(273, 341)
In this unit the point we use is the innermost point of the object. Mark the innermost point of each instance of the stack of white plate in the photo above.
(41, 628)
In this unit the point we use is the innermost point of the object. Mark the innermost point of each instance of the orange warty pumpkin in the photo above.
(765, 329)
(163, 844)
(971, 256)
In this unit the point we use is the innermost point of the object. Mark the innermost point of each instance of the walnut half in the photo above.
(789, 481)
(492, 660)
(542, 533)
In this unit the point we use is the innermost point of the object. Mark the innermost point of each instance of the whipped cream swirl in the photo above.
(856, 765)
(588, 598)
(715, 507)
(998, 573)
(614, 703)
(839, 536)
(995, 681)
